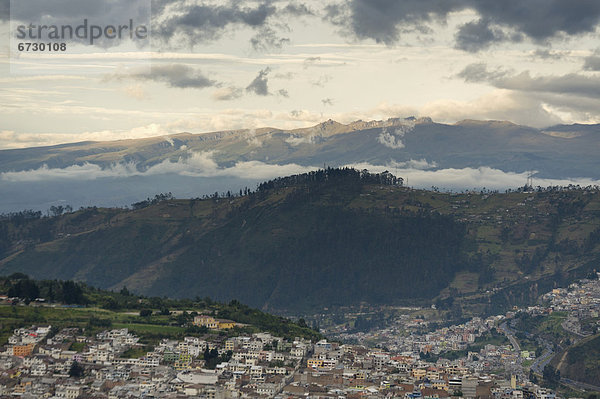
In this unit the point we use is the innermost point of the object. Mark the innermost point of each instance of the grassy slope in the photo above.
(581, 362)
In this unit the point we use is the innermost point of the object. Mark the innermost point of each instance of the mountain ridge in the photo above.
(330, 126)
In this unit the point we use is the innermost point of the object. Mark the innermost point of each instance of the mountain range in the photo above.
(458, 156)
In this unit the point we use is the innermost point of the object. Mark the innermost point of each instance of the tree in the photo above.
(76, 370)
(18, 276)
(26, 289)
(165, 312)
(72, 293)
(551, 375)
(302, 323)
(110, 304)
(145, 312)
(532, 377)
(56, 210)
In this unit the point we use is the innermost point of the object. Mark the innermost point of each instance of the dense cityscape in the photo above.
(481, 358)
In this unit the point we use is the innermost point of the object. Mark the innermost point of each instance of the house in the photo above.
(23, 350)
(206, 321)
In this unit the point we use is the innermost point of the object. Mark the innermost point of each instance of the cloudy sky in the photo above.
(233, 63)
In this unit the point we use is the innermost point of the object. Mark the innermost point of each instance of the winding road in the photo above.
(509, 334)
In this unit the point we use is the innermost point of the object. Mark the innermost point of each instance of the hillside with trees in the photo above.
(322, 239)
(73, 304)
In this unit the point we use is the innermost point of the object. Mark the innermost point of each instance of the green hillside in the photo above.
(152, 318)
(335, 237)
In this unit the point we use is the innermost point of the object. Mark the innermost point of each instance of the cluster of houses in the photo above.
(66, 364)
(41, 362)
(581, 300)
(407, 335)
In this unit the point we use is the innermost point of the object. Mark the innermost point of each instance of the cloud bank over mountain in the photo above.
(194, 164)
(467, 155)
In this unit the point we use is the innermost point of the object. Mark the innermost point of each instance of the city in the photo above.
(42, 362)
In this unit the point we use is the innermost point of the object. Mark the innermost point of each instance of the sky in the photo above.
(229, 64)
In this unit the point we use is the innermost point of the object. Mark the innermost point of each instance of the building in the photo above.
(23, 350)
(206, 321)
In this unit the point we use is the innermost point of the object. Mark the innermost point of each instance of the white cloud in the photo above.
(497, 105)
(198, 164)
(227, 93)
(12, 139)
(389, 140)
(469, 178)
(170, 141)
(87, 171)
(420, 164)
(252, 139)
(417, 173)
(297, 140)
(309, 136)
(392, 137)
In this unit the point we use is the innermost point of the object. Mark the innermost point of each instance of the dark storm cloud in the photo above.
(36, 14)
(200, 22)
(297, 10)
(59, 9)
(62, 12)
(506, 20)
(571, 84)
(542, 19)
(174, 75)
(478, 73)
(477, 35)
(383, 20)
(260, 84)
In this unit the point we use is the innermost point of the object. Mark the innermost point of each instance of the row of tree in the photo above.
(19, 285)
(332, 176)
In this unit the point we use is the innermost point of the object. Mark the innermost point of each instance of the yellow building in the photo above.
(206, 321)
(184, 361)
(314, 363)
(360, 375)
(419, 373)
(440, 384)
(229, 345)
(226, 324)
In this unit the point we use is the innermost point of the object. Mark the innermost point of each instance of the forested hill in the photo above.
(326, 238)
